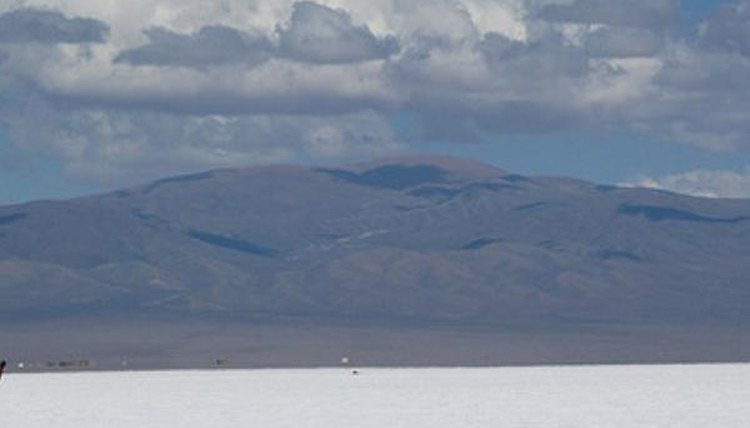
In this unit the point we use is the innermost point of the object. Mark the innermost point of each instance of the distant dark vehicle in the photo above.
(3, 363)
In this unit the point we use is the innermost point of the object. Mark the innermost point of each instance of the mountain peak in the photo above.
(408, 172)
(452, 166)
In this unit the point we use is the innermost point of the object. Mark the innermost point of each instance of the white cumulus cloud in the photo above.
(704, 183)
(138, 84)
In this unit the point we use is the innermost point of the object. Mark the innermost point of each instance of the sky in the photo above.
(102, 94)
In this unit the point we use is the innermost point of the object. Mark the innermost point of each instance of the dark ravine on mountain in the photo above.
(405, 261)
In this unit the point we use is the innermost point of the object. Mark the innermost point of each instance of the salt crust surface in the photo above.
(577, 397)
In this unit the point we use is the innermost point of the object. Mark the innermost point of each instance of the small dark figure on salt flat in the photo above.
(3, 363)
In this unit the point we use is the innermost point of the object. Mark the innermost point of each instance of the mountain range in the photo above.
(395, 245)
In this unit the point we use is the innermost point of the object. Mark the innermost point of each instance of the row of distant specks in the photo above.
(80, 364)
(86, 364)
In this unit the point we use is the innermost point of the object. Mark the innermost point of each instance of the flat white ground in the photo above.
(578, 397)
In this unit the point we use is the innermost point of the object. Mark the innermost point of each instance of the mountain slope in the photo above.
(402, 240)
